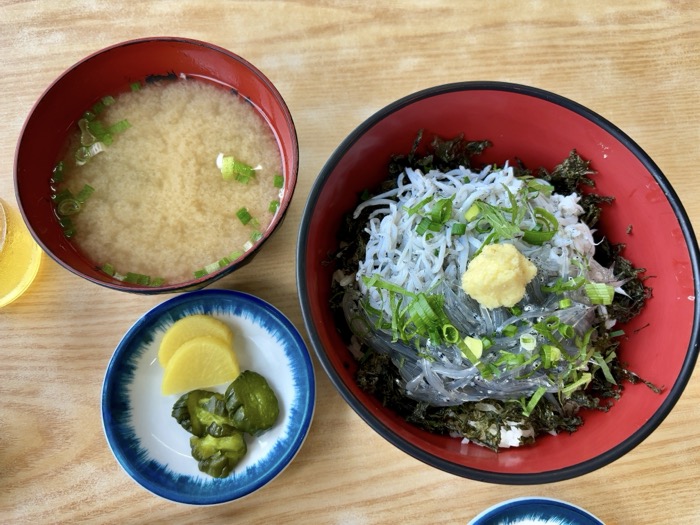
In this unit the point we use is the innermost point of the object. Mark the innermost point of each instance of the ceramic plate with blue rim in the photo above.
(154, 449)
(535, 511)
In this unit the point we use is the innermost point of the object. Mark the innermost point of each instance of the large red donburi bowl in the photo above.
(111, 71)
(539, 128)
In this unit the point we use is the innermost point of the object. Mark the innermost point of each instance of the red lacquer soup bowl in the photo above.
(114, 70)
(539, 128)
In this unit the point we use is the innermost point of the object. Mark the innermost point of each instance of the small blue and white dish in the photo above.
(154, 449)
(535, 511)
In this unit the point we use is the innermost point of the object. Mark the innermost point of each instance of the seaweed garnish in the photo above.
(441, 154)
(571, 176)
(624, 306)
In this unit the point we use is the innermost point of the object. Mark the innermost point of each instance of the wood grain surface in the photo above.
(636, 62)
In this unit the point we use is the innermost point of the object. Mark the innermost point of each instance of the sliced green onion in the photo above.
(582, 343)
(510, 359)
(459, 228)
(422, 226)
(231, 168)
(426, 224)
(274, 206)
(449, 333)
(243, 169)
(211, 267)
(472, 213)
(442, 210)
(57, 172)
(95, 127)
(100, 133)
(137, 278)
(565, 303)
(255, 237)
(547, 227)
(377, 282)
(119, 127)
(108, 269)
(617, 333)
(580, 382)
(493, 219)
(418, 207)
(534, 399)
(565, 285)
(475, 345)
(227, 169)
(537, 186)
(243, 179)
(100, 105)
(63, 194)
(135, 86)
(84, 193)
(244, 216)
(278, 181)
(83, 154)
(604, 367)
(599, 293)
(528, 342)
(423, 313)
(550, 354)
(68, 207)
(87, 138)
(157, 281)
(235, 254)
(472, 349)
(65, 222)
(509, 330)
(566, 330)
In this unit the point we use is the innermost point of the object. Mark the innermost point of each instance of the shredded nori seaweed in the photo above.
(441, 155)
(378, 376)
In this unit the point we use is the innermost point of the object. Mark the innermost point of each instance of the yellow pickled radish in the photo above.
(188, 328)
(201, 362)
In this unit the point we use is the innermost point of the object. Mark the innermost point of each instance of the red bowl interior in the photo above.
(109, 72)
(539, 128)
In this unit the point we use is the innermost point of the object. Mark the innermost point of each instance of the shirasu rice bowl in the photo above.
(403, 298)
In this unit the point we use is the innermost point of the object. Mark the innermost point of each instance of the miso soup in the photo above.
(141, 190)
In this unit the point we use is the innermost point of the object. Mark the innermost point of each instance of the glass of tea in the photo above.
(20, 255)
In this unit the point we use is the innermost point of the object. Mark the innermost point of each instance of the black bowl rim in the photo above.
(193, 284)
(468, 472)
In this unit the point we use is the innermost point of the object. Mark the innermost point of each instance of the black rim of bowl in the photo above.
(476, 474)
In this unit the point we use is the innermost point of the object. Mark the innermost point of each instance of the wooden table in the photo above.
(635, 62)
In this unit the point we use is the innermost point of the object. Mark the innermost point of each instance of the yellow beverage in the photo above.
(20, 255)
